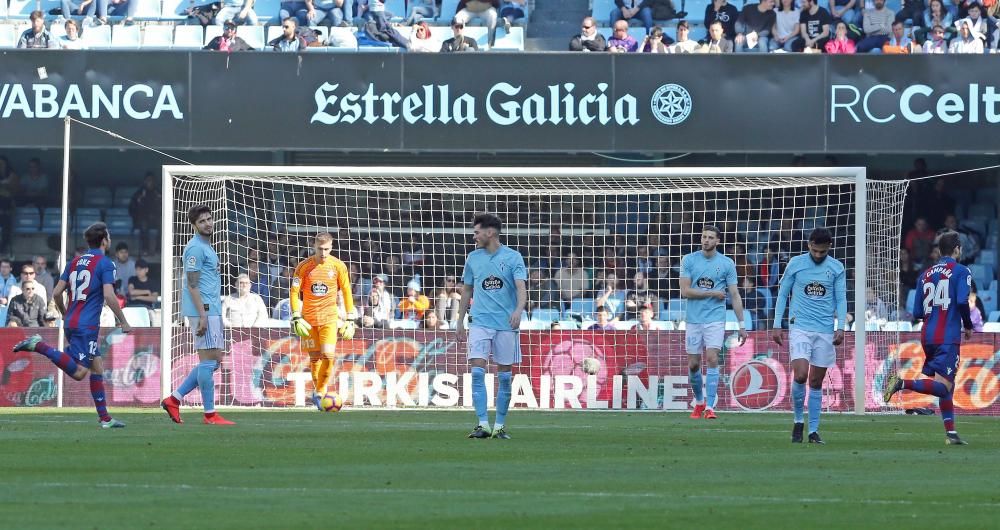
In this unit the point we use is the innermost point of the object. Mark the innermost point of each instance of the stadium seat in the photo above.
(983, 274)
(3, 13)
(397, 8)
(52, 221)
(546, 315)
(676, 309)
(267, 11)
(87, 216)
(987, 258)
(897, 326)
(8, 39)
(379, 49)
(534, 324)
(128, 37)
(20, 9)
(994, 316)
(119, 224)
(991, 327)
(569, 324)
(584, 307)
(403, 324)
(513, 41)
(137, 317)
(254, 35)
(158, 37)
(448, 10)
(601, 11)
(768, 301)
(123, 194)
(211, 32)
(148, 10)
(189, 37)
(97, 198)
(339, 35)
(174, 9)
(696, 10)
(982, 210)
(911, 296)
(96, 37)
(26, 220)
(3, 316)
(626, 325)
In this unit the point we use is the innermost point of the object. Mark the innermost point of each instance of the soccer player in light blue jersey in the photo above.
(706, 277)
(817, 284)
(495, 279)
(201, 303)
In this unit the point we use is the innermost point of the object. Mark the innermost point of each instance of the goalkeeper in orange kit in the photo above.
(316, 317)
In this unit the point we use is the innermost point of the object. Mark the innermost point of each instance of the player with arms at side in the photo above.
(90, 280)
(496, 277)
(201, 303)
(315, 316)
(706, 277)
(943, 303)
(817, 284)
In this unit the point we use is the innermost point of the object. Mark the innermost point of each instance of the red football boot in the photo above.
(699, 409)
(710, 414)
(173, 408)
(215, 419)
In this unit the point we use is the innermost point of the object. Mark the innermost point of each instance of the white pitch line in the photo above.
(579, 494)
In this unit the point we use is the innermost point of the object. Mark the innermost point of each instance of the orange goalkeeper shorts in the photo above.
(320, 336)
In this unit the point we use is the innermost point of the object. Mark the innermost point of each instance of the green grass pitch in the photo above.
(416, 469)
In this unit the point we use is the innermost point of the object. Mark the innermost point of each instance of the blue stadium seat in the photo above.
(137, 317)
(96, 37)
(26, 220)
(267, 11)
(87, 216)
(983, 274)
(174, 9)
(3, 316)
(696, 10)
(601, 11)
(911, 296)
(513, 41)
(128, 37)
(97, 198)
(158, 37)
(987, 257)
(123, 194)
(148, 10)
(20, 9)
(676, 309)
(448, 10)
(982, 210)
(211, 32)
(119, 224)
(765, 293)
(582, 306)
(189, 37)
(8, 37)
(897, 326)
(397, 8)
(994, 316)
(254, 35)
(546, 315)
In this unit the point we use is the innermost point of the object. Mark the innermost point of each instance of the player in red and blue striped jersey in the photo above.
(943, 303)
(89, 280)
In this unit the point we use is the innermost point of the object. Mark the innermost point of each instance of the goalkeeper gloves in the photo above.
(347, 330)
(299, 326)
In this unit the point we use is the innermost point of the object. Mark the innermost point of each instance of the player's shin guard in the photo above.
(711, 386)
(58, 358)
(694, 378)
(207, 384)
(798, 401)
(314, 373)
(97, 392)
(479, 395)
(503, 397)
(190, 383)
(948, 413)
(323, 375)
(815, 404)
(926, 386)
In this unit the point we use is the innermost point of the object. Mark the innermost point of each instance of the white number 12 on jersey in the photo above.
(937, 296)
(78, 284)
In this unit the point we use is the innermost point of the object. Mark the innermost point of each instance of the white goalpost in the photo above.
(591, 238)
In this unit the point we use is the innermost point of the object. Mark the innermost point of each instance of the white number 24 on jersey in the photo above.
(936, 295)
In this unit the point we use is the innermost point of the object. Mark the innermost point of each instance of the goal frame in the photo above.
(849, 175)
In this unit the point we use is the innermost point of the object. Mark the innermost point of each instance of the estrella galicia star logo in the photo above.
(671, 104)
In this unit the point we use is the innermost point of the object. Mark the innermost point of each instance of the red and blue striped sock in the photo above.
(58, 358)
(948, 413)
(97, 392)
(926, 386)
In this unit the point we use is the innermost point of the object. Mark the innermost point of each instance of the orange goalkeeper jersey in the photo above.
(319, 284)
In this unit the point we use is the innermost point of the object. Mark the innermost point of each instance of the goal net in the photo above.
(592, 239)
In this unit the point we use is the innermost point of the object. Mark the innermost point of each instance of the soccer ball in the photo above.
(591, 365)
(331, 402)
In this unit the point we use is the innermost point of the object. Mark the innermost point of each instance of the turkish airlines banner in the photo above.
(520, 102)
(264, 367)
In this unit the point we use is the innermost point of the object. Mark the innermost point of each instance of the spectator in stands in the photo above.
(9, 183)
(259, 284)
(911, 10)
(71, 40)
(683, 44)
(976, 308)
(646, 320)
(143, 290)
(117, 8)
(43, 276)
(753, 302)
(724, 13)
(613, 263)
(908, 274)
(237, 12)
(589, 40)
(717, 41)
(655, 42)
(420, 9)
(414, 304)
(814, 27)
(511, 10)
(621, 41)
(786, 25)
(875, 308)
(125, 265)
(420, 38)
(754, 26)
(743, 266)
(119, 297)
(662, 278)
(27, 309)
(274, 260)
(607, 291)
(844, 10)
(899, 42)
(8, 282)
(542, 291)
(919, 241)
(628, 10)
(81, 9)
(281, 284)
(572, 278)
(935, 15)
(877, 25)
(431, 321)
(939, 198)
(459, 43)
(316, 11)
(969, 239)
(769, 267)
(229, 41)
(448, 297)
(145, 208)
(485, 10)
(290, 40)
(640, 296)
(396, 277)
(603, 320)
(242, 308)
(966, 41)
(37, 36)
(937, 42)
(840, 44)
(282, 310)
(28, 275)
(641, 262)
(35, 187)
(380, 306)
(981, 27)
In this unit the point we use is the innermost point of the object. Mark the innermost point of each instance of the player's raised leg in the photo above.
(940, 359)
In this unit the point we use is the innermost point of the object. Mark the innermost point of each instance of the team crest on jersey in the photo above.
(319, 289)
(296, 282)
(968, 280)
(492, 283)
(706, 283)
(815, 289)
(191, 261)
